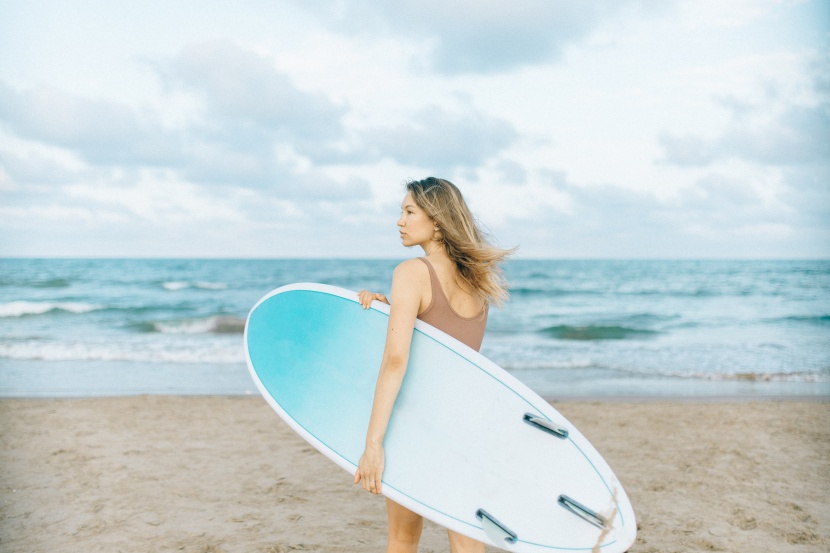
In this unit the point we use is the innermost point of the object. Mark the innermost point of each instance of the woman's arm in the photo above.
(408, 283)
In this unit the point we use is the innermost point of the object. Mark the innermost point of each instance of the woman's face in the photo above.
(415, 226)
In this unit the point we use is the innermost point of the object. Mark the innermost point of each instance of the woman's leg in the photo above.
(459, 543)
(404, 528)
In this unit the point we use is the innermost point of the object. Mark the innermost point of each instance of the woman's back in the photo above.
(452, 309)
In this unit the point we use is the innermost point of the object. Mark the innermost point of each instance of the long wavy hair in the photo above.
(475, 258)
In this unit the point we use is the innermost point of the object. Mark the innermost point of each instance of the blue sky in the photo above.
(625, 129)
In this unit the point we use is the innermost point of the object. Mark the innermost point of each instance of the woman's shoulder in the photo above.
(412, 271)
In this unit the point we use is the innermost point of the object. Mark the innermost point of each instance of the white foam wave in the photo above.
(759, 377)
(217, 324)
(580, 364)
(176, 285)
(546, 364)
(142, 351)
(735, 376)
(211, 285)
(21, 308)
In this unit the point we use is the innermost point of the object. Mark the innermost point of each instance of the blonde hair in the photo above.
(465, 243)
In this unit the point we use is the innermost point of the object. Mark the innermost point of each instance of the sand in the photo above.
(214, 474)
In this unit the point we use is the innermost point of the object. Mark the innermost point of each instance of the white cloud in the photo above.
(800, 135)
(732, 14)
(100, 130)
(781, 119)
(50, 214)
(158, 198)
(483, 36)
(610, 129)
(440, 139)
(244, 88)
(35, 167)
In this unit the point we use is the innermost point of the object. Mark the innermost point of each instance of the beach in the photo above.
(225, 474)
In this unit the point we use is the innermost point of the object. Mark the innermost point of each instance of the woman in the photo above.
(451, 289)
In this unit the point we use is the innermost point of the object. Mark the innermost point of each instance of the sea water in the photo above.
(572, 328)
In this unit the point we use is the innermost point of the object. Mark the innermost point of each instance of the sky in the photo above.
(618, 129)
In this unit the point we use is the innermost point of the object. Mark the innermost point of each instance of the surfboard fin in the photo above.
(583, 512)
(495, 530)
(546, 425)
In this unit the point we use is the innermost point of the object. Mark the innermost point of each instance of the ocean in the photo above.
(572, 328)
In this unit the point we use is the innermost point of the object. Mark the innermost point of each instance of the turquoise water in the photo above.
(572, 328)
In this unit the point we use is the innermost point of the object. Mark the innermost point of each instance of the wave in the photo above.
(820, 320)
(753, 376)
(596, 332)
(201, 352)
(31, 308)
(529, 291)
(547, 364)
(216, 324)
(52, 283)
(762, 377)
(48, 283)
(733, 376)
(176, 285)
(24, 308)
(613, 290)
(589, 365)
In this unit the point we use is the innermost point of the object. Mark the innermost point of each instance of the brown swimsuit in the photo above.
(441, 315)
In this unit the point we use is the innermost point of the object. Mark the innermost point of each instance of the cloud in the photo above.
(253, 128)
(732, 14)
(807, 193)
(316, 185)
(243, 92)
(100, 131)
(789, 125)
(688, 150)
(479, 36)
(260, 168)
(256, 129)
(716, 215)
(35, 168)
(250, 107)
(715, 191)
(441, 140)
(614, 211)
(799, 135)
(716, 202)
(510, 172)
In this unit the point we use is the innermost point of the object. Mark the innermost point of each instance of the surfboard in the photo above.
(468, 445)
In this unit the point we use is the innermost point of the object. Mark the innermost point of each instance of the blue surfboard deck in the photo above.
(468, 446)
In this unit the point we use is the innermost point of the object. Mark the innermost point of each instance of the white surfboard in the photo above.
(468, 446)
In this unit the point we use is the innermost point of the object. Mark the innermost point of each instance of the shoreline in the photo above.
(225, 474)
(28, 379)
(669, 399)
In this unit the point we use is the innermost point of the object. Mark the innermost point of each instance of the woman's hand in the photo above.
(366, 298)
(370, 469)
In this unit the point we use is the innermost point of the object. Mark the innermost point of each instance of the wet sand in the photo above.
(225, 474)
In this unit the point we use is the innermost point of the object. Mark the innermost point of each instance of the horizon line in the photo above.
(379, 258)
